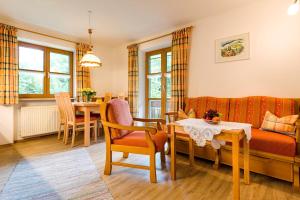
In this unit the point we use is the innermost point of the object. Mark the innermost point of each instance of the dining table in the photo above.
(87, 108)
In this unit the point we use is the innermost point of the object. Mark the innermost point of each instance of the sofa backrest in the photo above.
(252, 109)
(247, 109)
(202, 104)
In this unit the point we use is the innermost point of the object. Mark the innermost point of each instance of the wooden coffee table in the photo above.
(233, 136)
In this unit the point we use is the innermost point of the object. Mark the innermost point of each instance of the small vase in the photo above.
(88, 98)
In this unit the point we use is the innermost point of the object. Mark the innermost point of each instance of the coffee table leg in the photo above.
(235, 167)
(173, 152)
(246, 161)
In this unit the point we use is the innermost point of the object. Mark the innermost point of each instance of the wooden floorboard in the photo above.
(200, 182)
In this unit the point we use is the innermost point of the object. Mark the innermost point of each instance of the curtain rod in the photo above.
(155, 38)
(50, 36)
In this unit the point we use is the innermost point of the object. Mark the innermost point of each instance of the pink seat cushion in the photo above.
(119, 113)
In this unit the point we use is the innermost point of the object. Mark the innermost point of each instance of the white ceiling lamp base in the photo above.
(294, 8)
(90, 59)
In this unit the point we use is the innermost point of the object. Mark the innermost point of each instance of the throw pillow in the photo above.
(285, 125)
(183, 115)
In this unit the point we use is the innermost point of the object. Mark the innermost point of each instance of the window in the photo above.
(158, 82)
(44, 71)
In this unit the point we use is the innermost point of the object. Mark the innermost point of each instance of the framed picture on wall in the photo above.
(233, 48)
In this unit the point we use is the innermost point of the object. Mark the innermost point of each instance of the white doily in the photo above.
(200, 131)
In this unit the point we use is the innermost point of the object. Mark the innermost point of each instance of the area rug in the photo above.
(66, 175)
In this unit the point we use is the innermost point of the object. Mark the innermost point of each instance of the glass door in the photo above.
(158, 82)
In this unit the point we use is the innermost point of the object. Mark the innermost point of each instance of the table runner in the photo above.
(200, 131)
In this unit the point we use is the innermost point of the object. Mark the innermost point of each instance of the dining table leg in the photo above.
(87, 126)
(246, 161)
(235, 167)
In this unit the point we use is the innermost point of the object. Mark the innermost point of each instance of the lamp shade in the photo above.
(90, 60)
(294, 8)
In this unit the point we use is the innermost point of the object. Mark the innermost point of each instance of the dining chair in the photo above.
(62, 116)
(107, 97)
(73, 121)
(121, 96)
(173, 117)
(122, 136)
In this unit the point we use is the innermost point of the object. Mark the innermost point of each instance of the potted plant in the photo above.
(88, 93)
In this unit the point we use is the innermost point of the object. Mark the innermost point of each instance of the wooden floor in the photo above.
(200, 182)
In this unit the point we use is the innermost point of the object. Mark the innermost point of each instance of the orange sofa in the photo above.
(271, 153)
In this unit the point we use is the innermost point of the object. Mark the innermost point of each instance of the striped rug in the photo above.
(66, 175)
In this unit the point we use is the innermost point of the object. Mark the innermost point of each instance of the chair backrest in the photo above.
(99, 100)
(118, 112)
(121, 96)
(107, 97)
(60, 106)
(68, 107)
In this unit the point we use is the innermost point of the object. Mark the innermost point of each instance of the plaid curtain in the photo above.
(82, 73)
(180, 53)
(133, 79)
(9, 76)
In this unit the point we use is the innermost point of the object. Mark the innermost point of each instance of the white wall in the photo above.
(101, 78)
(274, 65)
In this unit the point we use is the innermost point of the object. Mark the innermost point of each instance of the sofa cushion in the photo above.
(272, 142)
(119, 113)
(203, 104)
(285, 125)
(137, 138)
(182, 115)
(252, 109)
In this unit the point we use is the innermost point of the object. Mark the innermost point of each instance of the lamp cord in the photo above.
(90, 29)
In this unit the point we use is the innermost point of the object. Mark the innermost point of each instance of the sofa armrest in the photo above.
(297, 137)
(298, 131)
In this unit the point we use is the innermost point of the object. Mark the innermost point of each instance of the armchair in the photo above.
(122, 136)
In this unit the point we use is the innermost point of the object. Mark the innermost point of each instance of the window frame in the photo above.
(46, 70)
(163, 52)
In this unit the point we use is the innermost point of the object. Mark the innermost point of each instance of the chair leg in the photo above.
(66, 133)
(59, 131)
(152, 168)
(95, 131)
(73, 136)
(99, 129)
(125, 154)
(107, 169)
(163, 159)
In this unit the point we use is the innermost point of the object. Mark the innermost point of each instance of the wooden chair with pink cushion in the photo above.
(73, 121)
(122, 136)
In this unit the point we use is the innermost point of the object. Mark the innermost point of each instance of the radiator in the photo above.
(38, 120)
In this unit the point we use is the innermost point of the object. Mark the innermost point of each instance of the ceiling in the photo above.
(114, 21)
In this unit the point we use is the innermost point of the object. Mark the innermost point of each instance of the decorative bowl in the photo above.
(209, 121)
